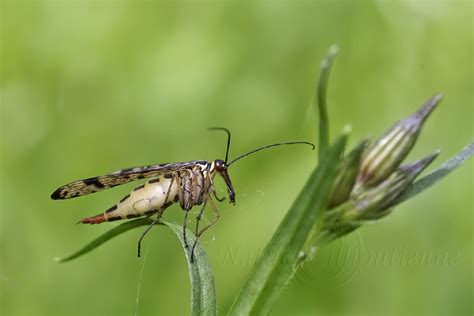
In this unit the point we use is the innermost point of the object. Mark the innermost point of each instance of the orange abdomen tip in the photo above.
(100, 218)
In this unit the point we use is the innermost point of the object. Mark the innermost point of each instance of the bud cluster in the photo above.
(371, 177)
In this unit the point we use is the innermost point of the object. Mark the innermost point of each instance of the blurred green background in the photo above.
(88, 87)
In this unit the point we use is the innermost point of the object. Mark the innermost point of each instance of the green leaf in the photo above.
(285, 251)
(326, 65)
(439, 173)
(117, 230)
(203, 294)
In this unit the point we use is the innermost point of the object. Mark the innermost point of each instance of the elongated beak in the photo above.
(230, 188)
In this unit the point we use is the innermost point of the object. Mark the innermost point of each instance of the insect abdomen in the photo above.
(143, 200)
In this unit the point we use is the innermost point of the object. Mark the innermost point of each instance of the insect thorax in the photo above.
(195, 185)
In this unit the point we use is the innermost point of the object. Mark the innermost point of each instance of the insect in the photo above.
(187, 183)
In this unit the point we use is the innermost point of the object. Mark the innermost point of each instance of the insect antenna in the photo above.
(268, 146)
(228, 139)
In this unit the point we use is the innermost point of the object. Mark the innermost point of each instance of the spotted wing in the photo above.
(95, 184)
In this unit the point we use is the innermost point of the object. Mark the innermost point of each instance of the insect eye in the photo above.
(220, 165)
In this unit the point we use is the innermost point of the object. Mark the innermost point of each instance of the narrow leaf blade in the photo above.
(203, 294)
(114, 232)
(321, 93)
(281, 256)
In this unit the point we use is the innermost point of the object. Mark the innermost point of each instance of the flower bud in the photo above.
(384, 157)
(346, 176)
(371, 203)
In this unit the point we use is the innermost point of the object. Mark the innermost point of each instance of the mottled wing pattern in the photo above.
(95, 184)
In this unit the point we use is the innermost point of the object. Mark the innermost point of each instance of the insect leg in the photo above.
(218, 198)
(216, 211)
(198, 218)
(158, 217)
(184, 179)
(214, 190)
(173, 176)
(186, 213)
